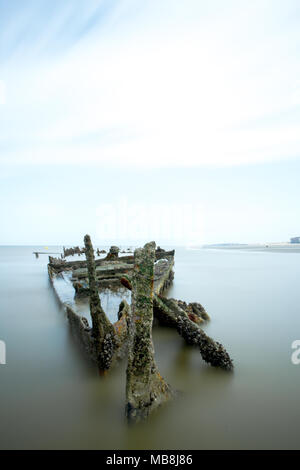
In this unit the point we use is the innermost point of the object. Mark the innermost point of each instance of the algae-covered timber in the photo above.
(102, 331)
(171, 312)
(145, 387)
(186, 318)
(148, 275)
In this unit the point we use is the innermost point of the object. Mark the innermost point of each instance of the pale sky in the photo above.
(117, 112)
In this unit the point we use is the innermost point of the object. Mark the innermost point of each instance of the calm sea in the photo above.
(51, 397)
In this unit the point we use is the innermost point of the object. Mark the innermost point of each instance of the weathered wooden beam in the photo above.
(102, 330)
(169, 313)
(145, 387)
(174, 313)
(63, 265)
(105, 270)
(75, 250)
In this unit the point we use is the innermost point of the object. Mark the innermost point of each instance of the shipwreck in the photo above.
(137, 285)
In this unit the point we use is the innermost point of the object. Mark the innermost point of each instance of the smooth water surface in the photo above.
(51, 397)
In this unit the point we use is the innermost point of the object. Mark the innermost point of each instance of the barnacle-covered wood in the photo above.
(102, 330)
(186, 319)
(170, 312)
(76, 250)
(148, 274)
(195, 311)
(113, 253)
(145, 387)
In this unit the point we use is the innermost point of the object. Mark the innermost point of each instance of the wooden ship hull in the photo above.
(138, 285)
(70, 281)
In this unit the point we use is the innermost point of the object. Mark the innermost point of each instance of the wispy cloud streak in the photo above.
(160, 83)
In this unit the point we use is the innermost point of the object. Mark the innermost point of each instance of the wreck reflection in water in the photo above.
(52, 398)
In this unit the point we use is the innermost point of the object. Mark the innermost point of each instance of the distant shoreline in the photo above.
(274, 247)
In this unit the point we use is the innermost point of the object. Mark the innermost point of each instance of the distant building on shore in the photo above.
(295, 240)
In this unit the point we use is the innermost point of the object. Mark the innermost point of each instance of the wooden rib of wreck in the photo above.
(75, 250)
(101, 273)
(145, 387)
(147, 275)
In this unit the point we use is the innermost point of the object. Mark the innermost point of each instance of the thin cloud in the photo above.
(188, 87)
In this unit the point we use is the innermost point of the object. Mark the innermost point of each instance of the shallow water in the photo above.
(50, 397)
(110, 298)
